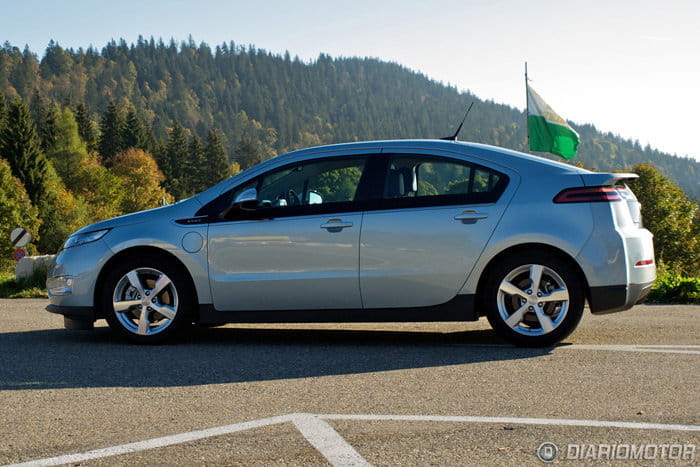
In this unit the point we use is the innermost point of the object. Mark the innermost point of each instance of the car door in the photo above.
(298, 248)
(420, 244)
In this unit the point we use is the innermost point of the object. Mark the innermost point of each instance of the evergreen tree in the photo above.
(195, 165)
(45, 115)
(216, 166)
(248, 153)
(111, 133)
(3, 105)
(20, 146)
(86, 128)
(136, 134)
(175, 160)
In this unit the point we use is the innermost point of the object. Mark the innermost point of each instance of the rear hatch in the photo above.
(617, 181)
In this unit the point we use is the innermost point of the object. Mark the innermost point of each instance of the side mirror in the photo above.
(248, 200)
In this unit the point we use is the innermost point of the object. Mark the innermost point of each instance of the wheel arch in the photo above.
(527, 247)
(138, 251)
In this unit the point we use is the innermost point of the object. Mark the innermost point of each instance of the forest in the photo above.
(91, 133)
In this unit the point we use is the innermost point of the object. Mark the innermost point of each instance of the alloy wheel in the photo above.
(533, 300)
(145, 301)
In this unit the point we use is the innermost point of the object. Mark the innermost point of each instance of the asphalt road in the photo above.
(70, 392)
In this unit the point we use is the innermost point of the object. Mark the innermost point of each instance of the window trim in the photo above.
(371, 189)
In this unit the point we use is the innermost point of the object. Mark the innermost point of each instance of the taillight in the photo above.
(646, 262)
(593, 194)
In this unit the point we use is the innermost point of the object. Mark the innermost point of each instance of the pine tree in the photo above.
(112, 133)
(86, 128)
(136, 134)
(216, 163)
(248, 153)
(45, 118)
(3, 106)
(195, 165)
(175, 160)
(20, 146)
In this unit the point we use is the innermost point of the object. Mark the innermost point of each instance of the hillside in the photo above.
(284, 103)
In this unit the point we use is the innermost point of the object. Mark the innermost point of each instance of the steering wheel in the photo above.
(294, 199)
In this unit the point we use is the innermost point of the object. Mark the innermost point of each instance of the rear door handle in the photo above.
(336, 224)
(470, 215)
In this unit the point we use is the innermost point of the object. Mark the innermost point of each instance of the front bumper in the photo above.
(71, 279)
(78, 313)
(610, 299)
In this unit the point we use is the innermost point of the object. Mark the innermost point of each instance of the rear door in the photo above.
(421, 242)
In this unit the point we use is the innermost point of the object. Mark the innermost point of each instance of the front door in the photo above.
(299, 248)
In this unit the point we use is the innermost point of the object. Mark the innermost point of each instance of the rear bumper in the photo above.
(610, 299)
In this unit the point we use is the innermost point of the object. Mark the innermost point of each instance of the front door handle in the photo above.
(470, 215)
(336, 224)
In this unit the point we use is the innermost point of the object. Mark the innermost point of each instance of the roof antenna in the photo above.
(459, 128)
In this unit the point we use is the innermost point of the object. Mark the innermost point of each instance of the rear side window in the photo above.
(425, 180)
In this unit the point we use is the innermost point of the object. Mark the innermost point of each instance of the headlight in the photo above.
(83, 238)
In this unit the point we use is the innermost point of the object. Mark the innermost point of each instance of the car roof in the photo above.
(495, 154)
(490, 155)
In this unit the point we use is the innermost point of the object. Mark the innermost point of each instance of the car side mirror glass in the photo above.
(247, 200)
(315, 197)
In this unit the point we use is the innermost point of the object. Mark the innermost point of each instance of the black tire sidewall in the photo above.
(563, 268)
(180, 279)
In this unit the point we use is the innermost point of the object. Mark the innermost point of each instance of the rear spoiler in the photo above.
(606, 179)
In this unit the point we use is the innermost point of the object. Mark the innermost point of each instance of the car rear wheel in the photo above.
(533, 299)
(148, 300)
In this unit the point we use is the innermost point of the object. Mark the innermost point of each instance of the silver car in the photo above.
(410, 230)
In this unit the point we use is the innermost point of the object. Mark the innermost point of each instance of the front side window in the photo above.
(314, 187)
(329, 181)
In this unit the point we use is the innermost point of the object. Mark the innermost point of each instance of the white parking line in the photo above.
(328, 442)
(679, 349)
(516, 420)
(156, 442)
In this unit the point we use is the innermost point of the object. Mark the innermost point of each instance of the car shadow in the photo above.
(68, 359)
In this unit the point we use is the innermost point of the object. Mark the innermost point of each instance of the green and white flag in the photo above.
(549, 132)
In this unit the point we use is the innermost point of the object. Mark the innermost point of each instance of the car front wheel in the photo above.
(148, 300)
(533, 299)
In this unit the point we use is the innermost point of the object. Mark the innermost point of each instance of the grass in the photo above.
(33, 286)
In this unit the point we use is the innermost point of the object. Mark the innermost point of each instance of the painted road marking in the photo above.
(328, 442)
(679, 349)
(156, 442)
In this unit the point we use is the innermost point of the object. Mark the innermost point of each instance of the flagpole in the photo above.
(527, 110)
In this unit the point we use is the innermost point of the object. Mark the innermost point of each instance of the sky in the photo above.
(631, 67)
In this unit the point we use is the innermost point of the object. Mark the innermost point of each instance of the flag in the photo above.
(549, 132)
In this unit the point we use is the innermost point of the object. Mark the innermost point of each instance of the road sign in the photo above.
(19, 253)
(20, 237)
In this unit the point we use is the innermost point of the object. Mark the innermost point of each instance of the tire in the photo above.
(148, 299)
(530, 315)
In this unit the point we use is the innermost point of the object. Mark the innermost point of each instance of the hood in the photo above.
(179, 209)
